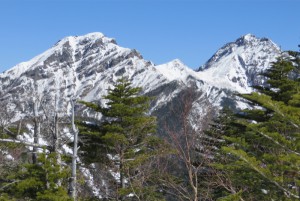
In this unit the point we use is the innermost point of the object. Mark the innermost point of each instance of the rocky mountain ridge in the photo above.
(84, 67)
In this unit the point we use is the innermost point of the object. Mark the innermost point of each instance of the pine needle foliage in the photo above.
(126, 135)
(37, 181)
(263, 144)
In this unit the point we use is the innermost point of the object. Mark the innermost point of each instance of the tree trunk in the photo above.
(36, 134)
(122, 175)
(57, 145)
(72, 187)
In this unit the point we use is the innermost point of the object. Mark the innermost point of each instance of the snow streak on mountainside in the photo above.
(237, 65)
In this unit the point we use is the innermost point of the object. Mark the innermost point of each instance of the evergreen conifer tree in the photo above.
(263, 144)
(37, 181)
(127, 134)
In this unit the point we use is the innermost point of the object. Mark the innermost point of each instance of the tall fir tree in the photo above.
(127, 133)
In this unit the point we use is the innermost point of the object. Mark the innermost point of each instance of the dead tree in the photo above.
(186, 140)
(73, 179)
(37, 129)
(12, 130)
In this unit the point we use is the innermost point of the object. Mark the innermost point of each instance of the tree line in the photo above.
(250, 154)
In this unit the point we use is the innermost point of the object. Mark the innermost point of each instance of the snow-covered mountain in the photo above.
(84, 67)
(237, 64)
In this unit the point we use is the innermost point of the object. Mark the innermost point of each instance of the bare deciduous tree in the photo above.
(192, 152)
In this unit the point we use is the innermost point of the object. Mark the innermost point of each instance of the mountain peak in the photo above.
(90, 37)
(94, 35)
(247, 44)
(249, 36)
(246, 40)
(251, 40)
(176, 62)
(175, 70)
(239, 63)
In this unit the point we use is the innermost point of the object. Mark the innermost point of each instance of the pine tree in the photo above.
(127, 132)
(37, 181)
(263, 144)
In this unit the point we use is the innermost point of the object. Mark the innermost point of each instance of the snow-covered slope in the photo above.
(237, 64)
(83, 67)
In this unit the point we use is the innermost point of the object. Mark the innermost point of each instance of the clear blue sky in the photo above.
(161, 30)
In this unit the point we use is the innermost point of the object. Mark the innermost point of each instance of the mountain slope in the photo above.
(237, 64)
(83, 67)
